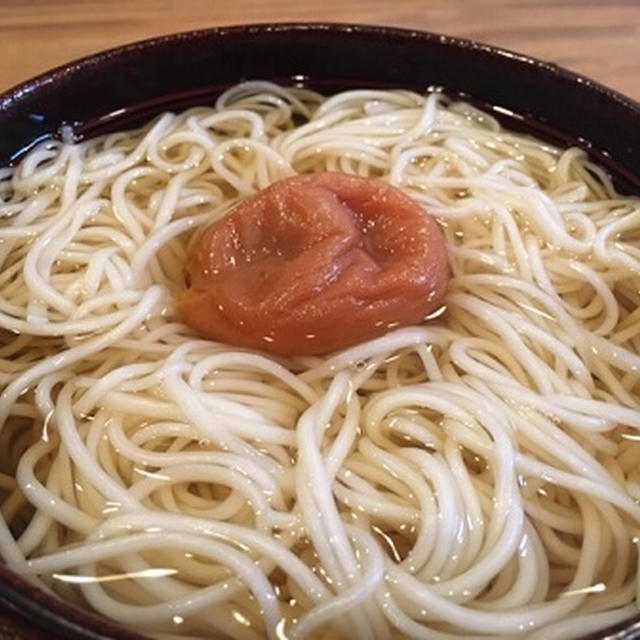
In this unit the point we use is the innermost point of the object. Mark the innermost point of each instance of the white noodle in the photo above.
(477, 474)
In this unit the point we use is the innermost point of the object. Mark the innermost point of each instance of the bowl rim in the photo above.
(25, 87)
(58, 616)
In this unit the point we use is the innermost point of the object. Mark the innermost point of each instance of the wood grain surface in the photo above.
(598, 38)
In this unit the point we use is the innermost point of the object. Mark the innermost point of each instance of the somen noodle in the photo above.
(478, 475)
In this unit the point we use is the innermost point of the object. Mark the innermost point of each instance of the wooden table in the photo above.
(598, 38)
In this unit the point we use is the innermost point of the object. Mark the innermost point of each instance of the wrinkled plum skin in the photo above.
(315, 263)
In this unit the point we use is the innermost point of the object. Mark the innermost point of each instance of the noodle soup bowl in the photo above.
(124, 87)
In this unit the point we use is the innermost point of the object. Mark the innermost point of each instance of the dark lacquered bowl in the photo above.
(125, 86)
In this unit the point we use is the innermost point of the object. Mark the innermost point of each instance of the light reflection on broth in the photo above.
(478, 474)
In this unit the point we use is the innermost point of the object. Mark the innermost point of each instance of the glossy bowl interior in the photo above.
(126, 86)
